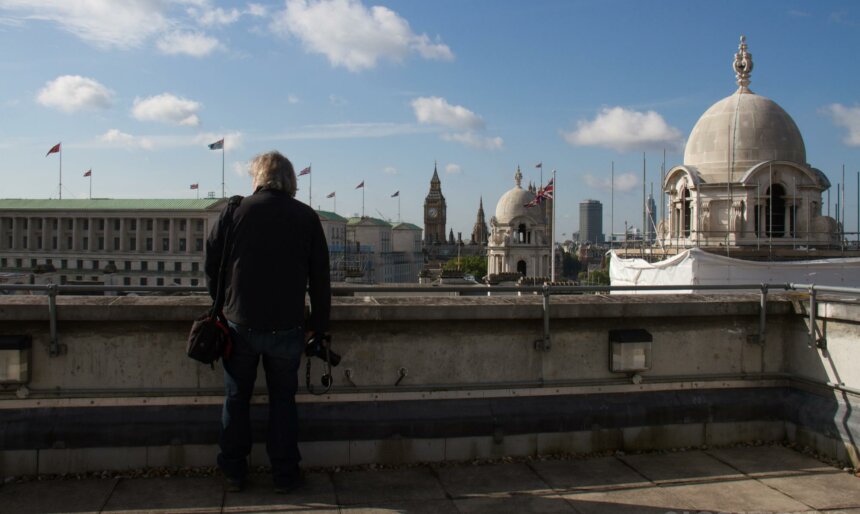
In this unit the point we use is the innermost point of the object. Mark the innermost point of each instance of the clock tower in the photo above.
(434, 212)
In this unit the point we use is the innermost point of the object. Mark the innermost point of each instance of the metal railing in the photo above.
(546, 291)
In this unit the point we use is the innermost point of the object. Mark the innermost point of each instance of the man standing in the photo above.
(277, 251)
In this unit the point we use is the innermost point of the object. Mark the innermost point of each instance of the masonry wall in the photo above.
(432, 378)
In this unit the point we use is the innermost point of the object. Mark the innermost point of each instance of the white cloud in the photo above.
(71, 93)
(347, 131)
(293, 99)
(257, 10)
(232, 140)
(624, 182)
(103, 23)
(352, 35)
(848, 117)
(217, 16)
(436, 110)
(476, 140)
(390, 170)
(167, 108)
(189, 43)
(453, 169)
(242, 168)
(119, 138)
(623, 130)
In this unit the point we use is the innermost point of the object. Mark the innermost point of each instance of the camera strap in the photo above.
(327, 378)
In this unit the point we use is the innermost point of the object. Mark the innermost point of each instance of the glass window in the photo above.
(198, 244)
(200, 225)
(96, 264)
(127, 265)
(19, 263)
(143, 281)
(195, 266)
(86, 224)
(86, 243)
(159, 281)
(80, 264)
(148, 244)
(101, 243)
(69, 243)
(160, 265)
(25, 242)
(177, 266)
(133, 224)
(101, 224)
(126, 281)
(116, 224)
(182, 225)
(2, 262)
(194, 282)
(132, 244)
(166, 225)
(144, 265)
(148, 224)
(165, 244)
(116, 243)
(182, 244)
(24, 223)
(64, 263)
(54, 242)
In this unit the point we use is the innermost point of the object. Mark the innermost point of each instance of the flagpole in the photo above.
(554, 194)
(612, 205)
(362, 198)
(91, 184)
(335, 203)
(223, 190)
(61, 170)
(398, 207)
(310, 183)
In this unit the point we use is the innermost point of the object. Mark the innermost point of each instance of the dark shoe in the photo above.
(289, 485)
(233, 485)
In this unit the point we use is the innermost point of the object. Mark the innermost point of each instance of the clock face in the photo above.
(432, 212)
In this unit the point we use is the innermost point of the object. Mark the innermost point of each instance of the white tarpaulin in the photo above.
(695, 266)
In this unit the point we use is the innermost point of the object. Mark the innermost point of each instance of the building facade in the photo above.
(519, 239)
(108, 241)
(591, 221)
(480, 234)
(334, 227)
(745, 180)
(435, 212)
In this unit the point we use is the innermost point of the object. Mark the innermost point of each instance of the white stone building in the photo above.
(745, 180)
(519, 238)
(110, 241)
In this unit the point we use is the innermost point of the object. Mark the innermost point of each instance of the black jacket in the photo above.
(278, 252)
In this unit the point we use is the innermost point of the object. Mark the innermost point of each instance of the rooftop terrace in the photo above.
(429, 382)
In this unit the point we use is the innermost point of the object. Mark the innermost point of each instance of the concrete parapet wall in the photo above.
(124, 356)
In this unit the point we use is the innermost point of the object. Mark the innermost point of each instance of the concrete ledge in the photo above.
(187, 308)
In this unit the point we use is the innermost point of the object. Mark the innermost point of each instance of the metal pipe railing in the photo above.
(546, 290)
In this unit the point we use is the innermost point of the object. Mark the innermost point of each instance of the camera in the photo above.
(319, 345)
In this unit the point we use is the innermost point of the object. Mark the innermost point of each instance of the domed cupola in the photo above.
(742, 130)
(512, 204)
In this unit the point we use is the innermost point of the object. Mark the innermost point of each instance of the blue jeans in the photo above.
(281, 351)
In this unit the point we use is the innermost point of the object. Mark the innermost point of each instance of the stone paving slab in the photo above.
(691, 466)
(317, 496)
(757, 461)
(419, 507)
(513, 505)
(491, 480)
(836, 490)
(383, 486)
(746, 495)
(596, 473)
(644, 500)
(48, 496)
(174, 494)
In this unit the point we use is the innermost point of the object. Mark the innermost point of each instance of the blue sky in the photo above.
(378, 91)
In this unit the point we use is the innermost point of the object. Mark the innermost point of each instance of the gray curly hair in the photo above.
(271, 170)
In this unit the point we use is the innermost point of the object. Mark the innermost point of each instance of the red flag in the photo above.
(217, 145)
(360, 186)
(330, 195)
(89, 173)
(306, 171)
(54, 149)
(396, 193)
(539, 165)
(195, 186)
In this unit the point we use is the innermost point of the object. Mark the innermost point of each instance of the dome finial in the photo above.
(743, 66)
(518, 176)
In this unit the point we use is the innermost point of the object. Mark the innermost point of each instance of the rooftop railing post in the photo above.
(762, 320)
(55, 349)
(546, 343)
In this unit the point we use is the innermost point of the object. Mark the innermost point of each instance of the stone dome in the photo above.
(741, 131)
(513, 205)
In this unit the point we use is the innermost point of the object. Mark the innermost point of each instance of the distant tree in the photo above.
(598, 277)
(471, 265)
(570, 265)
